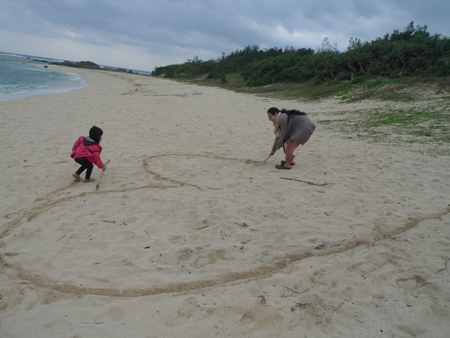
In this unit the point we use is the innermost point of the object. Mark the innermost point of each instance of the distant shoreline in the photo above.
(65, 63)
(18, 85)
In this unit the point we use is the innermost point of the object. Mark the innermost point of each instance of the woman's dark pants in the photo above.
(85, 164)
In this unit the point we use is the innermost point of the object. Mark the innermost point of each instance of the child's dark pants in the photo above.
(85, 164)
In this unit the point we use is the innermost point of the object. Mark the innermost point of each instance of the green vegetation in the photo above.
(87, 64)
(413, 52)
(81, 64)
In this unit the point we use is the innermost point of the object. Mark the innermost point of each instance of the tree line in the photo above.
(413, 52)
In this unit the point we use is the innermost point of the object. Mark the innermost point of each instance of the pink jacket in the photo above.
(90, 150)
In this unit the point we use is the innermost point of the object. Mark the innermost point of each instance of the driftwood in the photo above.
(293, 179)
(446, 262)
(202, 227)
(62, 237)
(101, 175)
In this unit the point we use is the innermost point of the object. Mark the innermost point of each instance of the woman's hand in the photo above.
(271, 153)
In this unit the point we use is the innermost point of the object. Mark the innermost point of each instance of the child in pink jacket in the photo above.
(86, 151)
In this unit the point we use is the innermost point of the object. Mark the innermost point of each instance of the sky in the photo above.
(144, 34)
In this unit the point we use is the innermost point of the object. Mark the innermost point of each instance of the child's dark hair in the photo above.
(95, 134)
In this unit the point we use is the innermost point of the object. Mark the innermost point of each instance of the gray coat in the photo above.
(299, 129)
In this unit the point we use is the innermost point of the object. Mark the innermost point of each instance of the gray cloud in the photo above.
(139, 34)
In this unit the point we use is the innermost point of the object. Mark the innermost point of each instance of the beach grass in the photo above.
(426, 130)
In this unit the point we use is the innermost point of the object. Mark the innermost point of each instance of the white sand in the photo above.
(191, 235)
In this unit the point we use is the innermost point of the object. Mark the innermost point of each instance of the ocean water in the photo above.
(22, 76)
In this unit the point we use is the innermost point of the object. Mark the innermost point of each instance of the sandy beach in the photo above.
(191, 234)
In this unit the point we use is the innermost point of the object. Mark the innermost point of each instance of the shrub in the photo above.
(358, 79)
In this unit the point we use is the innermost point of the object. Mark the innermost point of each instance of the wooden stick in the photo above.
(311, 183)
(101, 175)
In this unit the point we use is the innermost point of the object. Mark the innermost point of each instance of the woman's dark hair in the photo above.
(95, 134)
(293, 112)
(273, 110)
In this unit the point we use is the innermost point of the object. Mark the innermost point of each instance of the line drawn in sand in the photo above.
(277, 264)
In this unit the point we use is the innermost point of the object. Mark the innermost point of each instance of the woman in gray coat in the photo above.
(291, 128)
